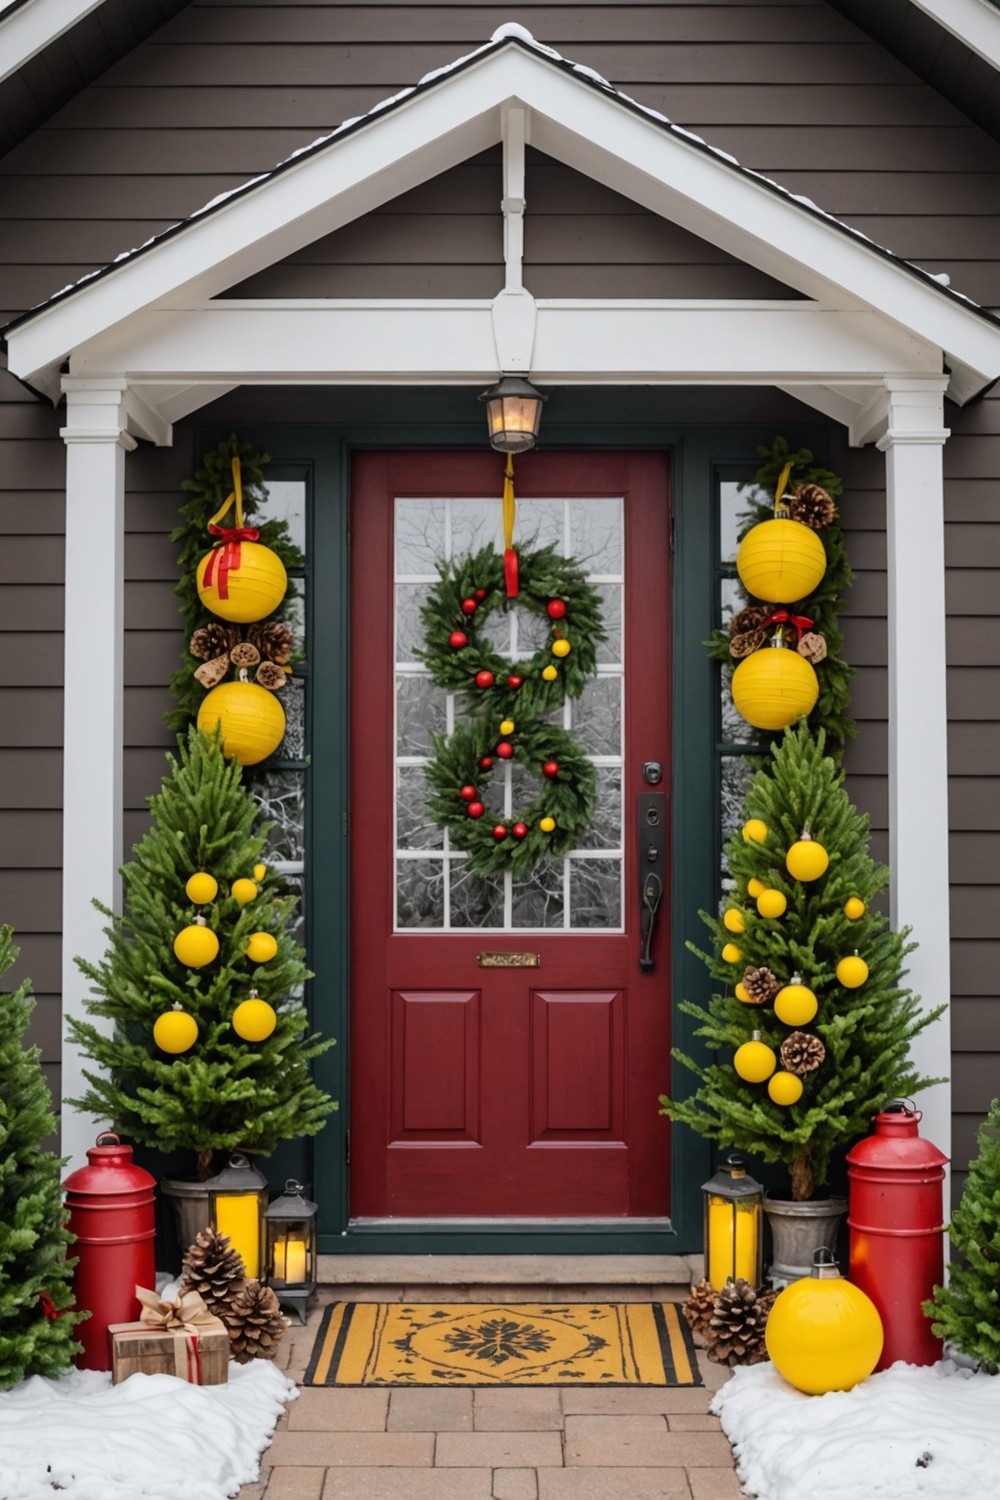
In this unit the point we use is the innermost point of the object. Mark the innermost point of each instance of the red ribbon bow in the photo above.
(226, 559)
(48, 1306)
(782, 617)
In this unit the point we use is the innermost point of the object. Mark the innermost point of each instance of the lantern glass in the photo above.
(513, 414)
(290, 1251)
(237, 1198)
(733, 1225)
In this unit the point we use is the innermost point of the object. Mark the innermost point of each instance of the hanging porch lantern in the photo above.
(513, 414)
(290, 1247)
(237, 1198)
(734, 1244)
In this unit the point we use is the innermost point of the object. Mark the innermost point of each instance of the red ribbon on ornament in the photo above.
(782, 617)
(226, 559)
(48, 1306)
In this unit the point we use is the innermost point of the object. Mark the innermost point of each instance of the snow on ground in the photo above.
(907, 1433)
(153, 1437)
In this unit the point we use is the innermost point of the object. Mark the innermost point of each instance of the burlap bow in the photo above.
(185, 1315)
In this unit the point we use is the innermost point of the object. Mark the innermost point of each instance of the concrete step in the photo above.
(509, 1278)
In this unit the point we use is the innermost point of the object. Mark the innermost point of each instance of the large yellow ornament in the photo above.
(823, 1334)
(784, 1088)
(196, 946)
(254, 1020)
(772, 904)
(807, 859)
(251, 719)
(261, 947)
(175, 1031)
(731, 954)
(852, 972)
(795, 1004)
(774, 686)
(241, 581)
(755, 1061)
(201, 888)
(781, 561)
(854, 908)
(754, 831)
(732, 919)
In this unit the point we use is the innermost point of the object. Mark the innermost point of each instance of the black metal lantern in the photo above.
(290, 1251)
(513, 414)
(734, 1243)
(237, 1197)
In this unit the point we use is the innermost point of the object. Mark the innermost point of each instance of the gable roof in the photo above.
(450, 114)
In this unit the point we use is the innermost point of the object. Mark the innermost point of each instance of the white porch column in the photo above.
(918, 719)
(96, 443)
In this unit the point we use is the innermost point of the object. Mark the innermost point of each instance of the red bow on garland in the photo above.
(226, 559)
(782, 617)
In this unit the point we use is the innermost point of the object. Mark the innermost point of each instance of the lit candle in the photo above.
(237, 1215)
(290, 1262)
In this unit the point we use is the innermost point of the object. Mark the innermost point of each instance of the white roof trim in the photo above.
(574, 116)
(974, 22)
(27, 29)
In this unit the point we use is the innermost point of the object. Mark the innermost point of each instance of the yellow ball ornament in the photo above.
(731, 954)
(175, 1031)
(561, 647)
(244, 890)
(241, 581)
(254, 1020)
(755, 887)
(547, 824)
(550, 673)
(784, 1088)
(854, 908)
(250, 719)
(823, 1334)
(201, 889)
(196, 946)
(772, 904)
(795, 1004)
(852, 972)
(781, 561)
(774, 687)
(755, 1061)
(807, 859)
(742, 993)
(261, 947)
(732, 920)
(507, 726)
(754, 831)
(259, 871)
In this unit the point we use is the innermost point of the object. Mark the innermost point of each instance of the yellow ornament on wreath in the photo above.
(251, 720)
(251, 577)
(774, 686)
(781, 561)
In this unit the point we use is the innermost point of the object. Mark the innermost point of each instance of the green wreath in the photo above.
(522, 694)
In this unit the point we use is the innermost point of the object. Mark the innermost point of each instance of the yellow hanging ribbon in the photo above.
(235, 494)
(510, 554)
(226, 558)
(780, 508)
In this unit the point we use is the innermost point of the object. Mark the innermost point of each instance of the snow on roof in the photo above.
(511, 33)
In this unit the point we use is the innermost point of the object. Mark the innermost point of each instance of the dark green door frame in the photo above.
(702, 444)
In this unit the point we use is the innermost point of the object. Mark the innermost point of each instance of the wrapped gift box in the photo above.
(199, 1356)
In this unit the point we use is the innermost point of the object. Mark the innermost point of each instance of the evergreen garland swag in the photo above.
(516, 691)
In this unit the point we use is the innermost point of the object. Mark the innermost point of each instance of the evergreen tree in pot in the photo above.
(189, 1063)
(810, 1025)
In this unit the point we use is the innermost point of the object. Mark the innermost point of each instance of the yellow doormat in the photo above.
(483, 1343)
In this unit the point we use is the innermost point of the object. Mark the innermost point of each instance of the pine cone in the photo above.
(271, 676)
(699, 1307)
(760, 985)
(244, 654)
(751, 617)
(801, 1053)
(736, 1329)
(256, 1326)
(747, 642)
(210, 673)
(812, 506)
(812, 646)
(213, 639)
(274, 641)
(214, 1270)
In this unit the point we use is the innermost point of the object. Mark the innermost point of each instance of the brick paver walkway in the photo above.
(556, 1444)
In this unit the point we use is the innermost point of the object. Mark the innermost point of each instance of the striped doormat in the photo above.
(520, 1344)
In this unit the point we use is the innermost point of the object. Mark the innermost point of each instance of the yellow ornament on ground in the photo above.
(823, 1334)
(732, 920)
(261, 947)
(254, 1020)
(250, 719)
(245, 581)
(755, 887)
(547, 824)
(796, 1004)
(852, 972)
(201, 888)
(807, 860)
(507, 726)
(772, 904)
(774, 686)
(175, 1031)
(755, 1061)
(781, 561)
(754, 831)
(244, 890)
(550, 673)
(731, 954)
(785, 1088)
(561, 647)
(854, 908)
(259, 871)
(196, 946)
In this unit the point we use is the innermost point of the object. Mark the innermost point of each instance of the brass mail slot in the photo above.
(509, 960)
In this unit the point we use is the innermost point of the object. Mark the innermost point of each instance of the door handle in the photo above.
(652, 838)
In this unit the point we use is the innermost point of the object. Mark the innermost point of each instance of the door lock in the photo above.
(652, 772)
(652, 864)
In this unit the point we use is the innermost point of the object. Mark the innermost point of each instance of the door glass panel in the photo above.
(435, 888)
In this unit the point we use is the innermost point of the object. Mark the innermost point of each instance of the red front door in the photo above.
(493, 1092)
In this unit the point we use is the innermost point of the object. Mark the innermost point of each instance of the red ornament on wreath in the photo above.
(480, 595)
(551, 768)
(475, 809)
(485, 762)
(514, 681)
(520, 830)
(484, 679)
(468, 793)
(505, 750)
(499, 832)
(469, 606)
(457, 640)
(556, 609)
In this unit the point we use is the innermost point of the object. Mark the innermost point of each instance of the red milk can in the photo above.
(896, 1219)
(110, 1203)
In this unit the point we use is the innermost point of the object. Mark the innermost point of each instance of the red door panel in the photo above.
(505, 1092)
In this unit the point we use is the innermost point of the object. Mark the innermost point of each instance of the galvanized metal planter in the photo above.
(797, 1229)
